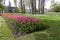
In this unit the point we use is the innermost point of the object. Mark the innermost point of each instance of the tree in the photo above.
(56, 7)
(9, 3)
(27, 4)
(52, 3)
(41, 6)
(22, 6)
(1, 5)
(17, 8)
(15, 2)
(33, 6)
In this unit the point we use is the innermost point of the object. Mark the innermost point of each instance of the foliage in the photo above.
(56, 7)
(1, 6)
(25, 23)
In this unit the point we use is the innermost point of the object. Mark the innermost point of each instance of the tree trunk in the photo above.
(15, 3)
(41, 6)
(33, 6)
(21, 6)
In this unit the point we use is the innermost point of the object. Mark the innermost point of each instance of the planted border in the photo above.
(25, 24)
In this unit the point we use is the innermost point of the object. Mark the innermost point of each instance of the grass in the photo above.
(53, 33)
(5, 32)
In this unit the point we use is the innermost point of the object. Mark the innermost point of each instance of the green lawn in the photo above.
(53, 33)
(5, 32)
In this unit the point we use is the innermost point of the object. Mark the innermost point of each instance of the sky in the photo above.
(7, 3)
(47, 3)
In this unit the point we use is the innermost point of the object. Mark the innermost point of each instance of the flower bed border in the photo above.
(16, 30)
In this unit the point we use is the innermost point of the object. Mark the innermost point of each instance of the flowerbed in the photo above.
(26, 24)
